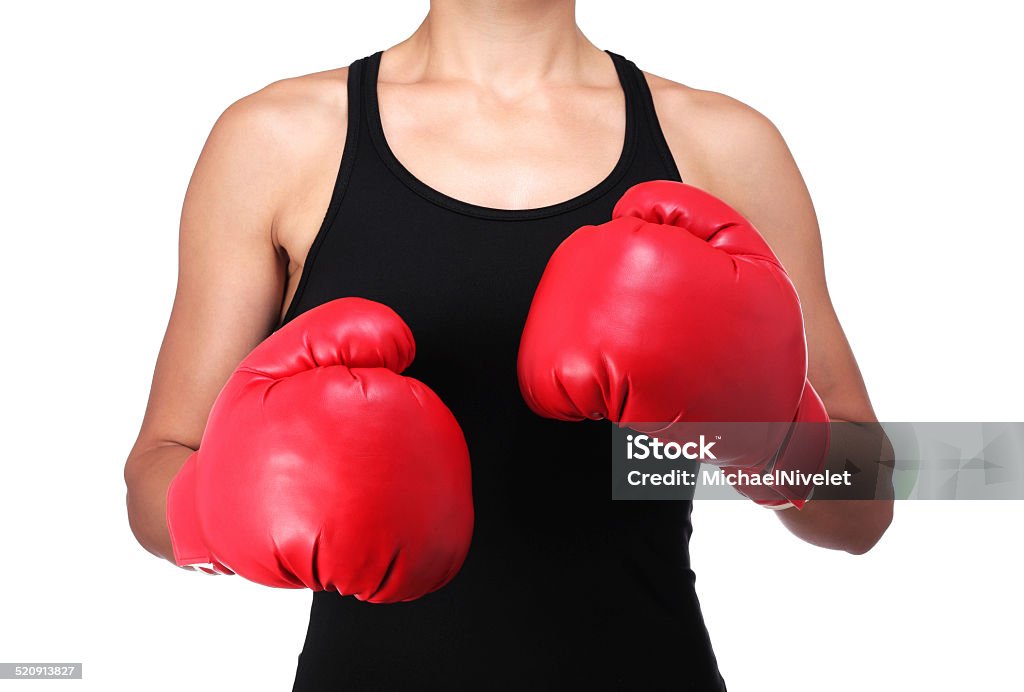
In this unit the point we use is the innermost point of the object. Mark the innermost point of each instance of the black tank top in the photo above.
(562, 586)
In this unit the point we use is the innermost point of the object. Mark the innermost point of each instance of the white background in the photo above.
(905, 118)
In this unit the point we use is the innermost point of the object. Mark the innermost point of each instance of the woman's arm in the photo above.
(737, 154)
(231, 279)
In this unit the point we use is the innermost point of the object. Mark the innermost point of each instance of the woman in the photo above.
(437, 178)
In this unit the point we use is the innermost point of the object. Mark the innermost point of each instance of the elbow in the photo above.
(132, 504)
(135, 524)
(145, 507)
(148, 473)
(870, 530)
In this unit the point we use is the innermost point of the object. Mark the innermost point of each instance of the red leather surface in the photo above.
(323, 467)
(675, 310)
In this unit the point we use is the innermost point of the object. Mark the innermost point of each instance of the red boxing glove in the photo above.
(676, 311)
(322, 467)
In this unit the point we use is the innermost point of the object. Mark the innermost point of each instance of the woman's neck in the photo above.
(512, 43)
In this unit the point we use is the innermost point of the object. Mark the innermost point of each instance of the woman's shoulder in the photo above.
(291, 110)
(273, 149)
(276, 138)
(708, 131)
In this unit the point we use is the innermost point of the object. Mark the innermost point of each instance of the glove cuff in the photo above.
(805, 450)
(183, 521)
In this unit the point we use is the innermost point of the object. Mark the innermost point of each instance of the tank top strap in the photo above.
(651, 141)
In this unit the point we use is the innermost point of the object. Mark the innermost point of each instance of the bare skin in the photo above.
(502, 105)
